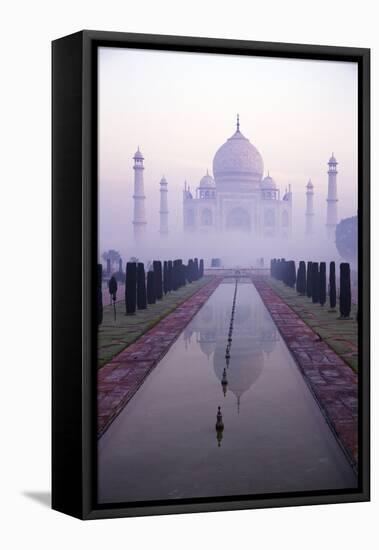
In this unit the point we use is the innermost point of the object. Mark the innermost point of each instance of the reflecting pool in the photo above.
(164, 444)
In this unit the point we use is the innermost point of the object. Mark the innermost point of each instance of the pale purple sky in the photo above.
(180, 107)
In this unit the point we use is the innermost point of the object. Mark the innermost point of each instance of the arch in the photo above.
(269, 218)
(285, 219)
(207, 217)
(239, 219)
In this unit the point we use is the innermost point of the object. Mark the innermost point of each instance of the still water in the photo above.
(164, 444)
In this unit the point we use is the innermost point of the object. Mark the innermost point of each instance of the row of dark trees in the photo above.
(141, 290)
(310, 280)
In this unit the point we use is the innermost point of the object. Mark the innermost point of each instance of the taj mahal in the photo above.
(238, 197)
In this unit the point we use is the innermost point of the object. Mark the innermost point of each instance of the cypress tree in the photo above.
(165, 277)
(309, 279)
(291, 274)
(196, 269)
(131, 288)
(301, 280)
(141, 287)
(108, 266)
(322, 282)
(345, 291)
(288, 275)
(99, 294)
(120, 265)
(298, 279)
(179, 273)
(190, 271)
(175, 279)
(201, 266)
(282, 271)
(285, 273)
(175, 282)
(169, 275)
(150, 287)
(182, 272)
(332, 285)
(160, 280)
(157, 268)
(276, 268)
(315, 283)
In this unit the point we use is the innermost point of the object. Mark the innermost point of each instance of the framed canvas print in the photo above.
(210, 274)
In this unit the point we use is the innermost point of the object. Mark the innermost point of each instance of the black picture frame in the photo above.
(74, 206)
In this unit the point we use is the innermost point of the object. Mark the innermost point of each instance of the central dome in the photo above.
(238, 160)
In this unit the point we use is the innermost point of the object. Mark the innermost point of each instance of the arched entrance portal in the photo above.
(238, 219)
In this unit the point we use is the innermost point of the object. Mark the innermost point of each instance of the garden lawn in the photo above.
(114, 336)
(340, 335)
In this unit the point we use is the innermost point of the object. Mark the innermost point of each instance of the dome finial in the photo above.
(238, 122)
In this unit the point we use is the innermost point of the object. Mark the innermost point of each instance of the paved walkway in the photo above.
(116, 335)
(331, 380)
(341, 336)
(119, 379)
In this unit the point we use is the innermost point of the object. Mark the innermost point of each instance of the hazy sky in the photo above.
(180, 107)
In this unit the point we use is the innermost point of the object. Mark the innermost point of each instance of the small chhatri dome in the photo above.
(237, 159)
(310, 184)
(332, 160)
(207, 181)
(138, 154)
(268, 182)
(163, 181)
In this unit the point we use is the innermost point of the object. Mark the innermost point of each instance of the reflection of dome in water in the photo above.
(246, 365)
(207, 342)
(206, 313)
(269, 339)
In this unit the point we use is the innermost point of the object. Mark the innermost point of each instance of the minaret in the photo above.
(139, 219)
(309, 212)
(331, 214)
(163, 212)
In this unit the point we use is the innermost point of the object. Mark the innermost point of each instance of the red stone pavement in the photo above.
(331, 380)
(118, 380)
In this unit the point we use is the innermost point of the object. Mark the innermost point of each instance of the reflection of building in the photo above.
(254, 336)
(239, 198)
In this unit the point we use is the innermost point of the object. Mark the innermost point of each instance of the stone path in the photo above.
(331, 380)
(119, 379)
(115, 335)
(341, 336)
